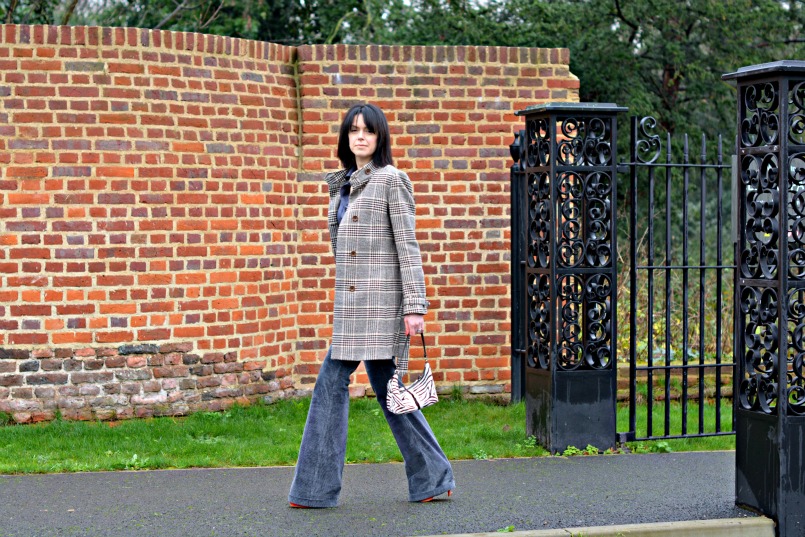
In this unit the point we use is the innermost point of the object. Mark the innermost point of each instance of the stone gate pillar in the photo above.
(770, 293)
(568, 273)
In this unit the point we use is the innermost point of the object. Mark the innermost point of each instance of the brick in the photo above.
(10, 380)
(115, 362)
(98, 377)
(46, 378)
(84, 66)
(133, 374)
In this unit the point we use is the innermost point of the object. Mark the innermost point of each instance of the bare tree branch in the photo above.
(181, 7)
(337, 27)
(622, 17)
(635, 28)
(10, 12)
(69, 13)
(214, 15)
(368, 26)
(789, 41)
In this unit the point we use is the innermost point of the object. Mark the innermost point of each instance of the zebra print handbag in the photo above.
(419, 394)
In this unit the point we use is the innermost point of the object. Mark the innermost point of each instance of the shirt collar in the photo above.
(358, 178)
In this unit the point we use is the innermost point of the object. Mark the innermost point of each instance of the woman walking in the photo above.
(379, 302)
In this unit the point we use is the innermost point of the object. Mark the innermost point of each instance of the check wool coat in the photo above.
(378, 274)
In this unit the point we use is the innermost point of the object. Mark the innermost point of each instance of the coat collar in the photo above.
(359, 178)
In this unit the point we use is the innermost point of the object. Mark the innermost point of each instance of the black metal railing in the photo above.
(566, 266)
(704, 305)
(680, 265)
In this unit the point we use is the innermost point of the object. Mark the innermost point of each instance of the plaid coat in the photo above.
(378, 266)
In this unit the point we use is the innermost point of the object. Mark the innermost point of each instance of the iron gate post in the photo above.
(770, 293)
(568, 290)
(519, 224)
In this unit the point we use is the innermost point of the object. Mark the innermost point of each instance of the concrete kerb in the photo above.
(730, 527)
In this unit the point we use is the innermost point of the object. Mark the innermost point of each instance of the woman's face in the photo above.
(362, 142)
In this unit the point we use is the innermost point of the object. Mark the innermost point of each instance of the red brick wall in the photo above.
(162, 218)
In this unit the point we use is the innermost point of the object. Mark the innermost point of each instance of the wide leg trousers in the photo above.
(319, 469)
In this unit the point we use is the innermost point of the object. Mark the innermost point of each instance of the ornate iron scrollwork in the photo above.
(539, 218)
(796, 351)
(795, 373)
(759, 257)
(598, 294)
(584, 341)
(764, 179)
(584, 219)
(761, 337)
(761, 123)
(539, 321)
(796, 216)
(796, 114)
(648, 146)
(570, 185)
(760, 178)
(584, 142)
(598, 194)
(569, 349)
(570, 245)
(539, 144)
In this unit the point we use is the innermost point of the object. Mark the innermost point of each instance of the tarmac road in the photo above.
(538, 493)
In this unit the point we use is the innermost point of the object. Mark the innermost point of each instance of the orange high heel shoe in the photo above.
(297, 506)
(426, 500)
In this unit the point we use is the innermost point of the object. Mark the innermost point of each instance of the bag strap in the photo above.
(424, 352)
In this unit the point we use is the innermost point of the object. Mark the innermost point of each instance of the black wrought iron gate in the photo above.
(676, 274)
(681, 282)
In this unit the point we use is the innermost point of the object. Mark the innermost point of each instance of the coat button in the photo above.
(366, 171)
(352, 253)
(351, 287)
(354, 217)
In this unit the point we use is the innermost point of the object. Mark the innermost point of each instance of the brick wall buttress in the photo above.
(163, 243)
(147, 235)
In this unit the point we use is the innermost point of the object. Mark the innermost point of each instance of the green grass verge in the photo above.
(707, 443)
(262, 435)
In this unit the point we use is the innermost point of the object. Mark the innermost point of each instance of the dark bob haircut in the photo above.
(376, 122)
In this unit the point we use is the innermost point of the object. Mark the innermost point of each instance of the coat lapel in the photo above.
(335, 180)
(362, 176)
(359, 179)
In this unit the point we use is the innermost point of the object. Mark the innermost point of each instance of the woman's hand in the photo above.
(414, 324)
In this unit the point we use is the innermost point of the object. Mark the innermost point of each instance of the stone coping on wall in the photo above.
(93, 36)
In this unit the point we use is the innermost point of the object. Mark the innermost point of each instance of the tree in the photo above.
(179, 15)
(658, 57)
(290, 22)
(662, 57)
(32, 12)
(447, 22)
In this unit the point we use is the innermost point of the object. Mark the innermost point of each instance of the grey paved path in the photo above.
(526, 493)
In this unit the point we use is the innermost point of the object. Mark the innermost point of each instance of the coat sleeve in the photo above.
(402, 214)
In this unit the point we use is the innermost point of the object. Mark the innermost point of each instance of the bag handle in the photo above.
(424, 352)
(424, 349)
